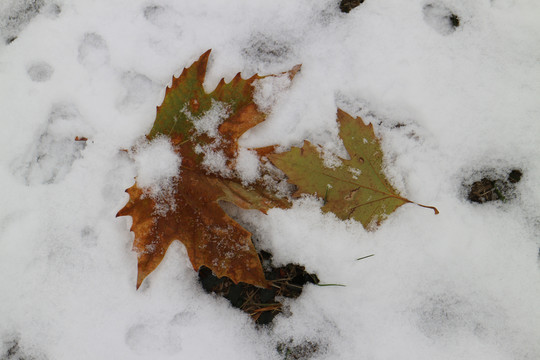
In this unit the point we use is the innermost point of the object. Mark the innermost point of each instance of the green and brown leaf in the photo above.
(358, 188)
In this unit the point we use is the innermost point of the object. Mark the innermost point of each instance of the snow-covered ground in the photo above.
(464, 284)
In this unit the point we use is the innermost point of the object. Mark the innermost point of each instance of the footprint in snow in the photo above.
(138, 88)
(440, 18)
(156, 337)
(52, 155)
(93, 51)
(40, 71)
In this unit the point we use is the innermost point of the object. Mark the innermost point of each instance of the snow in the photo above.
(269, 90)
(214, 160)
(247, 165)
(157, 168)
(156, 162)
(463, 284)
(208, 123)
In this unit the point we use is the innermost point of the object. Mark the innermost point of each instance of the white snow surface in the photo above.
(209, 122)
(157, 170)
(464, 284)
(157, 163)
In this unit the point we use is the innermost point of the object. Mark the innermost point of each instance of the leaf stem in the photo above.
(395, 196)
(427, 207)
(325, 200)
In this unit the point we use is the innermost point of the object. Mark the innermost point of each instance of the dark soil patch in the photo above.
(490, 188)
(261, 304)
(347, 5)
(304, 350)
(454, 20)
(15, 352)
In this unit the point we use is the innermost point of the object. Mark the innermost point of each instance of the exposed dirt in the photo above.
(261, 304)
(490, 188)
(301, 351)
(347, 5)
(454, 20)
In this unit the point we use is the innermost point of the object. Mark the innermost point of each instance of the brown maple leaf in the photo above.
(204, 127)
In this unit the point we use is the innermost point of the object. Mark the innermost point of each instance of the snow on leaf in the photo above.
(204, 129)
(357, 189)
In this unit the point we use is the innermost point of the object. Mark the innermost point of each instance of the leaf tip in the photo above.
(123, 212)
(141, 275)
(296, 69)
(139, 282)
(341, 114)
(203, 59)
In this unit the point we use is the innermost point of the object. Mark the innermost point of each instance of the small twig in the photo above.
(265, 305)
(256, 314)
(365, 257)
(248, 299)
(292, 285)
(499, 194)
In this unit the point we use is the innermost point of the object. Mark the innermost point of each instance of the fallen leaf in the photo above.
(357, 189)
(204, 129)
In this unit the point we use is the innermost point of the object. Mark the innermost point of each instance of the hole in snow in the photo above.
(298, 351)
(261, 304)
(491, 185)
(347, 5)
(440, 18)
